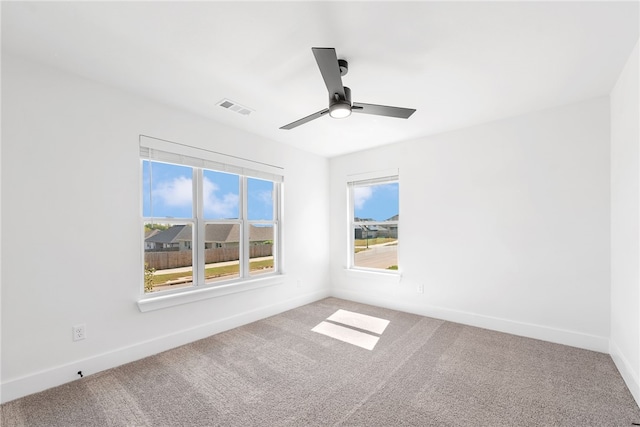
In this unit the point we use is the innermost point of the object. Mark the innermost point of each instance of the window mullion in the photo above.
(198, 248)
(277, 250)
(352, 227)
(244, 235)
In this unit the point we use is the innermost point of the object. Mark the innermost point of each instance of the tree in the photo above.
(148, 277)
(162, 227)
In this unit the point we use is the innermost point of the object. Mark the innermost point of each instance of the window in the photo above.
(205, 222)
(374, 218)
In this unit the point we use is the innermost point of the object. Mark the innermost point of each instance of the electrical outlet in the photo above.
(420, 288)
(79, 332)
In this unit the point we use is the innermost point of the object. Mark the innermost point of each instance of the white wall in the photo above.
(505, 224)
(625, 223)
(71, 237)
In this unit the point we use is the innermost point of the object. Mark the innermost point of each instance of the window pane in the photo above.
(167, 190)
(261, 248)
(376, 246)
(375, 227)
(168, 258)
(236, 210)
(377, 202)
(220, 195)
(260, 199)
(221, 252)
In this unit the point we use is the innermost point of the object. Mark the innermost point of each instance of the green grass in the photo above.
(224, 270)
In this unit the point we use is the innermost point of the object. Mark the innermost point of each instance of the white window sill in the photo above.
(390, 277)
(158, 301)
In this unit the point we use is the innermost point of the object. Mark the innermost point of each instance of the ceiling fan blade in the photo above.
(305, 119)
(382, 110)
(330, 70)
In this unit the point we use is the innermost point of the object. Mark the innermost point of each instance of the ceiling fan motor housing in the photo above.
(338, 107)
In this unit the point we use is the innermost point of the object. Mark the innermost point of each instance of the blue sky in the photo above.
(172, 194)
(173, 198)
(378, 202)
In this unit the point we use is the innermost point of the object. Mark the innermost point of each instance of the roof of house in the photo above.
(260, 234)
(173, 234)
(396, 217)
(231, 233)
(149, 233)
(370, 227)
(221, 233)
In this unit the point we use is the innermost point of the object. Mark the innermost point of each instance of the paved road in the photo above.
(378, 256)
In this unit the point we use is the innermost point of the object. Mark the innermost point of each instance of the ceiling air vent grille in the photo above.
(235, 107)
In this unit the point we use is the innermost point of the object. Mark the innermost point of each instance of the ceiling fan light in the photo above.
(340, 110)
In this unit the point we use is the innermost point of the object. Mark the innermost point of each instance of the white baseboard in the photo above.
(529, 330)
(627, 372)
(59, 375)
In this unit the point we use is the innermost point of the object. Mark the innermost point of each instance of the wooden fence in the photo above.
(164, 260)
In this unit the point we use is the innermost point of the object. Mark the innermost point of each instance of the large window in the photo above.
(206, 222)
(374, 219)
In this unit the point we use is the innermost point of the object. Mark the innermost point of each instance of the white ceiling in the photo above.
(457, 63)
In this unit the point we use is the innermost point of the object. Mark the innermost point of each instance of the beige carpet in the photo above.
(278, 372)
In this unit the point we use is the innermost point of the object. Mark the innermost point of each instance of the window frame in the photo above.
(156, 150)
(373, 178)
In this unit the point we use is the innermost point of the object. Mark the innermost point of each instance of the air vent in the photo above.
(235, 107)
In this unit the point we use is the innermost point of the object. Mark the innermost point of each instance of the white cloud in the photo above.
(220, 206)
(265, 197)
(361, 195)
(176, 192)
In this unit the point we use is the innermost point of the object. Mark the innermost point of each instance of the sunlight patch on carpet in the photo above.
(342, 326)
(360, 321)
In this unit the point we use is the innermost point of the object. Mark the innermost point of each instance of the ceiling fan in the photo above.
(340, 105)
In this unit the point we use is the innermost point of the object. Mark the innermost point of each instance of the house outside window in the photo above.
(206, 223)
(373, 222)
